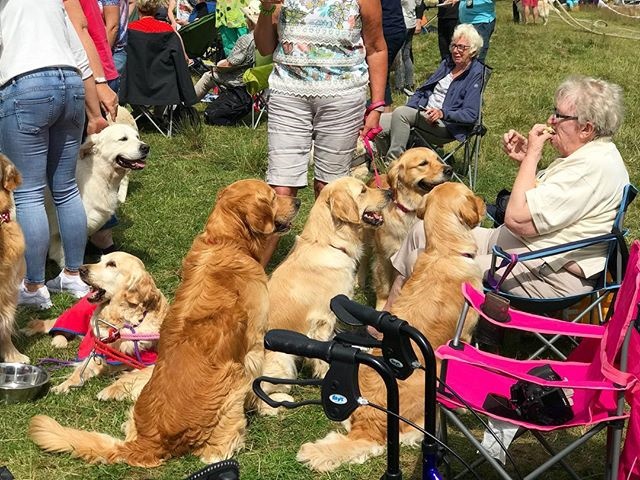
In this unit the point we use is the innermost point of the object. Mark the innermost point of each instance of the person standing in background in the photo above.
(46, 84)
(115, 14)
(178, 13)
(447, 23)
(404, 59)
(482, 15)
(230, 22)
(395, 33)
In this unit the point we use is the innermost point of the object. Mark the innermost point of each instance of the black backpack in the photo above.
(231, 106)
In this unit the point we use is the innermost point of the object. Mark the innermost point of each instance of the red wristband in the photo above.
(372, 106)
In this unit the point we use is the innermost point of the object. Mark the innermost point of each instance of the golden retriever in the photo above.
(412, 175)
(103, 161)
(12, 266)
(126, 295)
(321, 265)
(210, 344)
(431, 300)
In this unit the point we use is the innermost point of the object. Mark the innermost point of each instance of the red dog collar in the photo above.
(5, 217)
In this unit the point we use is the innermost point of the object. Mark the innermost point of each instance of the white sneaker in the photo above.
(68, 283)
(39, 299)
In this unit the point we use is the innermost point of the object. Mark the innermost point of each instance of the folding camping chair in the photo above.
(256, 79)
(606, 285)
(157, 83)
(604, 369)
(468, 166)
(199, 39)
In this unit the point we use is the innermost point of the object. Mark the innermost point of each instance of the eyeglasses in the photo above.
(559, 116)
(457, 46)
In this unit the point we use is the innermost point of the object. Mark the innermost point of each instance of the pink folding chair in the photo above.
(601, 372)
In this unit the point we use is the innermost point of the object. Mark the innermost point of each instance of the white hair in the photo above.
(469, 32)
(595, 101)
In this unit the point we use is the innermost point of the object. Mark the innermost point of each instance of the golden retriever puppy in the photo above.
(126, 295)
(103, 161)
(431, 300)
(412, 175)
(12, 266)
(210, 344)
(321, 265)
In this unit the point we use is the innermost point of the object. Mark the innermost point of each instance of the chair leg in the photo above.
(614, 442)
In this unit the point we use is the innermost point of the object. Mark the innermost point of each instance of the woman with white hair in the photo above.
(577, 196)
(449, 101)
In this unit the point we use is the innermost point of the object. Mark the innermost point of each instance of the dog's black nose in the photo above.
(144, 148)
(297, 202)
(448, 170)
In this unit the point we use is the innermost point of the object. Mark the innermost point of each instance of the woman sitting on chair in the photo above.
(576, 197)
(448, 102)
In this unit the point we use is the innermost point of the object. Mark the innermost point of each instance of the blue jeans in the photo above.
(41, 122)
(485, 30)
(120, 61)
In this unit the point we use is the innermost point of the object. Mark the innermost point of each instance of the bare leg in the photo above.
(272, 243)
(317, 187)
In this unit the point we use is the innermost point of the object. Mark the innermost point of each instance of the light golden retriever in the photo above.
(431, 301)
(103, 161)
(412, 175)
(321, 265)
(12, 266)
(210, 344)
(126, 295)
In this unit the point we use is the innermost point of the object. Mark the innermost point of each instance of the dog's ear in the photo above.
(422, 207)
(261, 218)
(393, 173)
(472, 210)
(11, 177)
(141, 290)
(87, 147)
(343, 207)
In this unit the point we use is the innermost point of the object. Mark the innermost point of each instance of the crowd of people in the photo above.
(330, 85)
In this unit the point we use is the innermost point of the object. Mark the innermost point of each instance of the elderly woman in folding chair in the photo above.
(446, 106)
(576, 197)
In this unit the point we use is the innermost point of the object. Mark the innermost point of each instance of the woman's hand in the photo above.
(96, 125)
(538, 136)
(108, 100)
(515, 145)
(432, 115)
(371, 121)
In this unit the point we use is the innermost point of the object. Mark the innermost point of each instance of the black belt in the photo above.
(43, 69)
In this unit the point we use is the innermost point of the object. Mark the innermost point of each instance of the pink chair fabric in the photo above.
(594, 373)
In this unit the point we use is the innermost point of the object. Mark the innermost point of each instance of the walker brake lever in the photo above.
(264, 396)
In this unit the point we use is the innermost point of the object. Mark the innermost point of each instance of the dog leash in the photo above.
(369, 137)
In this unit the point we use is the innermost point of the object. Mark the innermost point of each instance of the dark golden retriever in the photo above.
(210, 344)
(431, 301)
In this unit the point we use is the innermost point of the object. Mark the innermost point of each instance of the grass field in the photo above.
(170, 200)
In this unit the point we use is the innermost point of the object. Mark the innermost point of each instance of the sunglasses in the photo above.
(457, 46)
(559, 116)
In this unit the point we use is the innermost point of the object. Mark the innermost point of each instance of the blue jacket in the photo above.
(461, 106)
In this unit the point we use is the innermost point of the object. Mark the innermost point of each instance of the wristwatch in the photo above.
(100, 80)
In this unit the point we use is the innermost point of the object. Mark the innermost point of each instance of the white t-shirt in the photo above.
(577, 197)
(37, 34)
(439, 92)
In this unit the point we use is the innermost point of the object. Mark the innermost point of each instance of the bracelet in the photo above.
(375, 107)
(267, 11)
(100, 80)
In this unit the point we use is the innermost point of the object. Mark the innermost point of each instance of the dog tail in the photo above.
(93, 447)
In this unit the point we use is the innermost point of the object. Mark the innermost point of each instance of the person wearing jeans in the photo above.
(42, 114)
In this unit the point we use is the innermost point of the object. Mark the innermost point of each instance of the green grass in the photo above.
(170, 200)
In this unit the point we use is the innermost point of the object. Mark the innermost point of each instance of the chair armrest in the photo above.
(530, 322)
(517, 369)
(549, 251)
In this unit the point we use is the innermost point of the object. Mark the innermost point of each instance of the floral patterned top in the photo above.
(320, 50)
(229, 13)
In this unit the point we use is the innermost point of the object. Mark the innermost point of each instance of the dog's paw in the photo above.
(267, 410)
(34, 327)
(16, 357)
(59, 341)
(64, 387)
(113, 392)
(312, 455)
